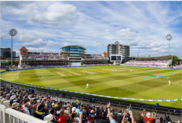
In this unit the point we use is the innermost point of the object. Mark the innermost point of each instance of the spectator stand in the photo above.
(88, 98)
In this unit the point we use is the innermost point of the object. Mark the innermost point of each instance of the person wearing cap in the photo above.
(15, 106)
(12, 98)
(92, 113)
(90, 119)
(148, 118)
(2, 100)
(74, 111)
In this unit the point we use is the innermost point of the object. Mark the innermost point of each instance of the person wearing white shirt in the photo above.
(169, 82)
(26, 108)
(87, 85)
(128, 109)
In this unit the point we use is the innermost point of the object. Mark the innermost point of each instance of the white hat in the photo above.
(29, 103)
(73, 109)
(7, 94)
(12, 97)
(38, 101)
(15, 105)
(14, 100)
(92, 111)
(148, 114)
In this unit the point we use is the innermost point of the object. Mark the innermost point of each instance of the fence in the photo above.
(88, 98)
(9, 115)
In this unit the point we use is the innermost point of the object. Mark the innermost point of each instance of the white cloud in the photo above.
(40, 43)
(55, 14)
(142, 25)
(104, 34)
(126, 34)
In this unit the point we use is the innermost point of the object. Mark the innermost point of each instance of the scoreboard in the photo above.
(115, 57)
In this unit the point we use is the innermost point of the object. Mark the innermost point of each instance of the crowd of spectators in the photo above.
(44, 57)
(71, 111)
(56, 56)
(9, 67)
(149, 63)
(96, 64)
(94, 57)
(178, 66)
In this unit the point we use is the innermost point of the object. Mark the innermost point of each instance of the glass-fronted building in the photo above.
(72, 50)
(120, 49)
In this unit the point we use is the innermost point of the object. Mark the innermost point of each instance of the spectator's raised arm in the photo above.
(124, 114)
(109, 114)
(143, 113)
(132, 118)
(80, 117)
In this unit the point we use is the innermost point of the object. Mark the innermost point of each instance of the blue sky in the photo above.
(47, 26)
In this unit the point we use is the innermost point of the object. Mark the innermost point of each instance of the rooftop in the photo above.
(23, 48)
(73, 46)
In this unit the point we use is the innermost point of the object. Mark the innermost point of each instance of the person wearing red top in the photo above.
(62, 117)
(148, 118)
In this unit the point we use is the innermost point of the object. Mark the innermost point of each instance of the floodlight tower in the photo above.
(169, 38)
(12, 33)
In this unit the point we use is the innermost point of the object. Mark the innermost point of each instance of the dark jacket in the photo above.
(38, 114)
(44, 116)
(168, 119)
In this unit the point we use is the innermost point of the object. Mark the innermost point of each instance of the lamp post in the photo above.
(169, 38)
(12, 33)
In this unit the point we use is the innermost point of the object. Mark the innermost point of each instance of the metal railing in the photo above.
(9, 115)
(118, 103)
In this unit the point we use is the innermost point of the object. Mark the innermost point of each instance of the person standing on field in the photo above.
(169, 82)
(87, 85)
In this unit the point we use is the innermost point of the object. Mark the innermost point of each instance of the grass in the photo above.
(120, 83)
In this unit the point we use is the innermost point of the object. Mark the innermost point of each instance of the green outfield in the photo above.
(102, 81)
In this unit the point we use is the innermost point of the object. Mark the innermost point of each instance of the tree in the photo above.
(175, 60)
(148, 55)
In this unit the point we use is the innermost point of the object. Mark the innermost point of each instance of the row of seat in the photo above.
(124, 104)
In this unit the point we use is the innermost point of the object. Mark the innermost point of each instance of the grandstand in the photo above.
(22, 104)
(75, 55)
(148, 63)
(68, 56)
